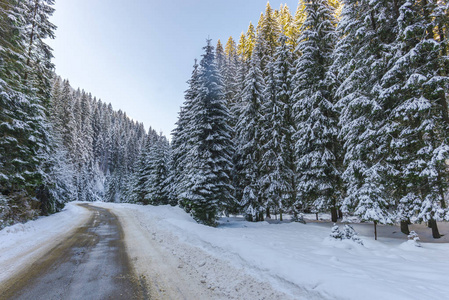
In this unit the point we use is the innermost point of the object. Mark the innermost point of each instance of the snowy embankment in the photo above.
(238, 259)
(22, 244)
(181, 259)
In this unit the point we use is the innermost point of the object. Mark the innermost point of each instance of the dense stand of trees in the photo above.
(102, 146)
(342, 107)
(57, 144)
(29, 167)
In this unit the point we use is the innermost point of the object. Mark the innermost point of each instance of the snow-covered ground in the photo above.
(296, 259)
(242, 260)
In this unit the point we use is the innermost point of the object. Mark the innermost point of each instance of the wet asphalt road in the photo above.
(90, 264)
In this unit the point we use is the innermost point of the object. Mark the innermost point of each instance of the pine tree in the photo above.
(250, 42)
(209, 190)
(268, 36)
(230, 73)
(12, 44)
(317, 146)
(21, 139)
(289, 26)
(360, 60)
(157, 160)
(276, 163)
(248, 152)
(181, 144)
(38, 29)
(415, 90)
(220, 57)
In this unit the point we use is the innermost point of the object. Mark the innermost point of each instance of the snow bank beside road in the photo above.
(22, 244)
(240, 260)
(296, 259)
(174, 269)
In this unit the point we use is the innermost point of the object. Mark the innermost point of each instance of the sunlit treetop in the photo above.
(241, 45)
(230, 48)
(250, 41)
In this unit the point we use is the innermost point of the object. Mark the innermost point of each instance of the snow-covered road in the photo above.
(180, 259)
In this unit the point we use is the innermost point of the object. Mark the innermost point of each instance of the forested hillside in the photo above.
(57, 144)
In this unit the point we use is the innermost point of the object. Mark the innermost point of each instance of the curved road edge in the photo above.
(22, 244)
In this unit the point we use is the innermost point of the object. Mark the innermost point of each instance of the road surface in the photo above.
(92, 263)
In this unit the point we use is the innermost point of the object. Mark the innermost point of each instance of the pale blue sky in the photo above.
(138, 54)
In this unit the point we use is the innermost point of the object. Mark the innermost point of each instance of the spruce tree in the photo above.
(415, 90)
(268, 36)
(181, 144)
(37, 29)
(209, 190)
(276, 165)
(157, 161)
(248, 140)
(360, 60)
(317, 148)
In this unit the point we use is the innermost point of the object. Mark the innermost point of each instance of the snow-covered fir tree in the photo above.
(276, 162)
(366, 32)
(208, 172)
(181, 144)
(415, 90)
(157, 162)
(248, 143)
(317, 147)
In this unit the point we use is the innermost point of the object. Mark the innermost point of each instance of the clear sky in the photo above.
(138, 54)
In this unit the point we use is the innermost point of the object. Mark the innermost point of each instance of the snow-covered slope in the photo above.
(296, 259)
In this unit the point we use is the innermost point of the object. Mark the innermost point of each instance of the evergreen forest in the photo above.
(339, 107)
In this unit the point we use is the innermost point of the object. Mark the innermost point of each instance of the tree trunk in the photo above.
(280, 215)
(31, 39)
(434, 226)
(404, 227)
(375, 230)
(340, 214)
(316, 216)
(268, 213)
(334, 214)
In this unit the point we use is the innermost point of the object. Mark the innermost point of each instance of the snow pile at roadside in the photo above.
(20, 244)
(302, 260)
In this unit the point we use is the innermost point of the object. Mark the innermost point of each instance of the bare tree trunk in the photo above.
(404, 227)
(268, 213)
(434, 226)
(375, 230)
(340, 214)
(334, 214)
(316, 214)
(30, 47)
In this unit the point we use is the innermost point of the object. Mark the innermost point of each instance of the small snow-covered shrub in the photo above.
(336, 232)
(413, 237)
(299, 218)
(348, 233)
